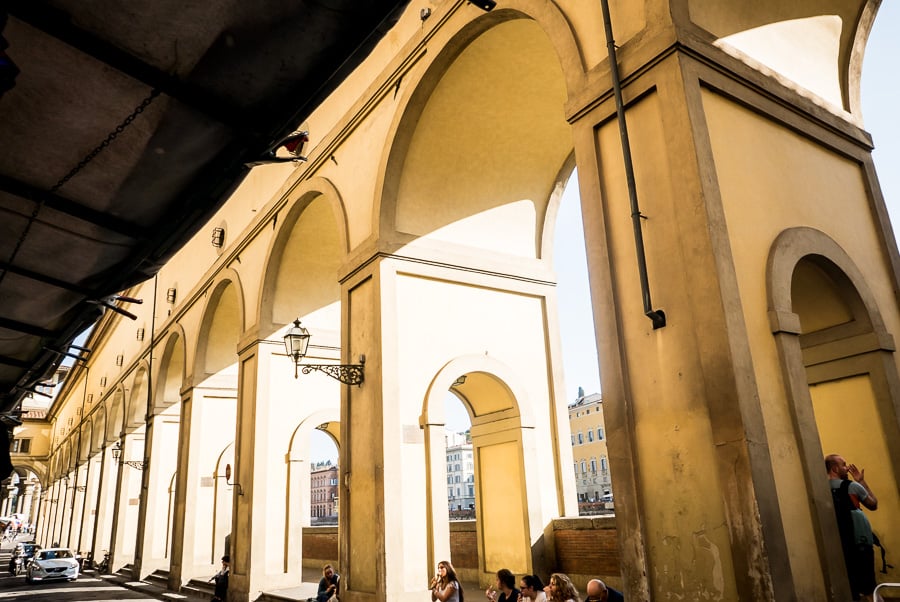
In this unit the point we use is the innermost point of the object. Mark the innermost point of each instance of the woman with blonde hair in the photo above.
(445, 585)
(561, 589)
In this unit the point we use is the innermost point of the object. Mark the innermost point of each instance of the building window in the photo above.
(580, 438)
(20, 446)
(600, 433)
(590, 436)
(573, 439)
(583, 466)
(602, 463)
(593, 465)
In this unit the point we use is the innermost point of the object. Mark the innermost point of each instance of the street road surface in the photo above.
(87, 588)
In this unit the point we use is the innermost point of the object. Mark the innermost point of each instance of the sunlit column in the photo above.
(27, 502)
(151, 553)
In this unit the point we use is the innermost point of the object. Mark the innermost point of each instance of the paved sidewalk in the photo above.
(148, 588)
(301, 592)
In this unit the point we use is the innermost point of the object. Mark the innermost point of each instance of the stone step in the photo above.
(198, 589)
(158, 577)
(270, 597)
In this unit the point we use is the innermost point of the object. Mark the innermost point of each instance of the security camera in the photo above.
(485, 5)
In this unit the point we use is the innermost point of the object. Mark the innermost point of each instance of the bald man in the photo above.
(597, 591)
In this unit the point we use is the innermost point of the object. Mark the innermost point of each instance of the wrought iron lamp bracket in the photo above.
(349, 374)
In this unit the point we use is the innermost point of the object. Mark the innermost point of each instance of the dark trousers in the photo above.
(861, 570)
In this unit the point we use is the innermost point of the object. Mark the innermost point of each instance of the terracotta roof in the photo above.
(34, 414)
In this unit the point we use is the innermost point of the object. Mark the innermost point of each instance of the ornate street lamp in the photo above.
(296, 342)
(117, 453)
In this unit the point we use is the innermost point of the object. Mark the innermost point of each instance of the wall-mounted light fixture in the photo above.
(240, 490)
(171, 295)
(117, 454)
(218, 237)
(296, 342)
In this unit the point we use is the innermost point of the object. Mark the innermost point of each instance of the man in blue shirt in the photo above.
(597, 591)
(859, 556)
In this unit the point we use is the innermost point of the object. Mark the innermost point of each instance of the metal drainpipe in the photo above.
(658, 317)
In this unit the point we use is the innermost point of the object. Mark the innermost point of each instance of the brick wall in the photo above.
(463, 545)
(587, 548)
(320, 546)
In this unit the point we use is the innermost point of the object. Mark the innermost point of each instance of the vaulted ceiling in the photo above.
(125, 125)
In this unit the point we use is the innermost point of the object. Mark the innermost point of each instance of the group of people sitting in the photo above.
(445, 587)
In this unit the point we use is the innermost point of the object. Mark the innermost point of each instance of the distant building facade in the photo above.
(460, 472)
(323, 492)
(591, 459)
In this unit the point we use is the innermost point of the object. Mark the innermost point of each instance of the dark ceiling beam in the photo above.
(68, 286)
(11, 361)
(29, 329)
(71, 208)
(57, 23)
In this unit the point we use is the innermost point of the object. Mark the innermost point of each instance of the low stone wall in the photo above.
(320, 547)
(586, 548)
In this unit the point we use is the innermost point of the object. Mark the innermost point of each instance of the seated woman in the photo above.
(532, 588)
(445, 586)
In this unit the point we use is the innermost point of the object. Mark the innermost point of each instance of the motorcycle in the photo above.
(103, 565)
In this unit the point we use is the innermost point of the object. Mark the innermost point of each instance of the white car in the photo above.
(52, 563)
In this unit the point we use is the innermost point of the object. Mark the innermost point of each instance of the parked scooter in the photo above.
(103, 565)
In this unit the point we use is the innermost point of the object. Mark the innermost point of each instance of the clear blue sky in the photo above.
(881, 112)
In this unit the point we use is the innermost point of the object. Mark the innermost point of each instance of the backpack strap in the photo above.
(884, 564)
(843, 504)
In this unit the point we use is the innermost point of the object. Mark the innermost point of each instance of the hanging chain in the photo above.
(112, 136)
(81, 165)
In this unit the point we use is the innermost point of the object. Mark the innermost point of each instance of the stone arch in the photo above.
(84, 441)
(115, 417)
(300, 437)
(502, 435)
(833, 343)
(297, 479)
(98, 417)
(35, 467)
(136, 411)
(171, 374)
(68, 458)
(272, 311)
(220, 328)
(819, 45)
(433, 409)
(448, 90)
(556, 195)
